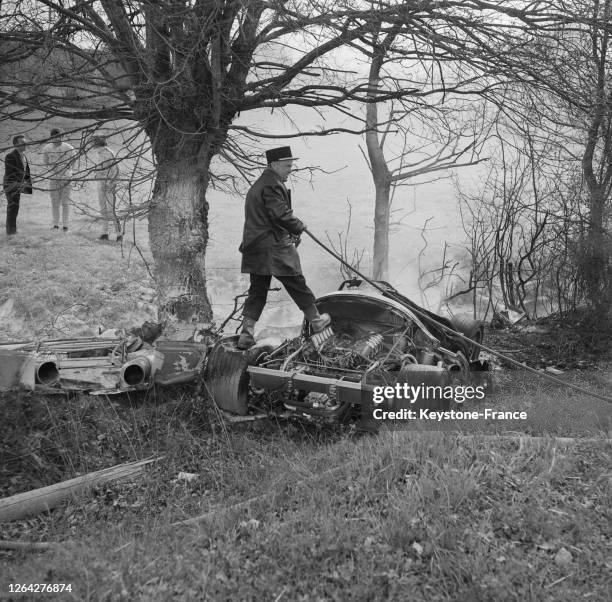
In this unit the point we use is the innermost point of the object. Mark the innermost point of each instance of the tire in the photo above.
(226, 376)
(473, 329)
(226, 373)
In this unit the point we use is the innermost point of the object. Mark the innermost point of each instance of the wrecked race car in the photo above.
(377, 338)
(116, 363)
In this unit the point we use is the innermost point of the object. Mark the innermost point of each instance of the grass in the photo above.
(426, 517)
(396, 516)
(551, 408)
(50, 298)
(64, 284)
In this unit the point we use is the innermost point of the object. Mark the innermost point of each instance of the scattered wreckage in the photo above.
(376, 338)
(111, 364)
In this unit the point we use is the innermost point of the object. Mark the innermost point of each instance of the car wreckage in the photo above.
(376, 338)
(116, 363)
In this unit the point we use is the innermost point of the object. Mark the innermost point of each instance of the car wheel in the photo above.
(226, 376)
(226, 373)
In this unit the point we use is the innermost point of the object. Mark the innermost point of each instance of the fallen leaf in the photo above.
(563, 557)
(252, 523)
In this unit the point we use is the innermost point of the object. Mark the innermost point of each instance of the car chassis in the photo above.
(376, 338)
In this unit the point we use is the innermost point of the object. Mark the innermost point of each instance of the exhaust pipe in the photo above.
(46, 373)
(136, 371)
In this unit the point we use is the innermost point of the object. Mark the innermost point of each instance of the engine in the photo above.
(372, 341)
(354, 350)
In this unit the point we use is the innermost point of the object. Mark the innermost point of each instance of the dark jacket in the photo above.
(16, 174)
(270, 229)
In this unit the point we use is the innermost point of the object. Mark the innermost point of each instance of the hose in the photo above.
(459, 334)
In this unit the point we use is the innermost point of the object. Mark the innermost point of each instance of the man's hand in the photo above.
(297, 238)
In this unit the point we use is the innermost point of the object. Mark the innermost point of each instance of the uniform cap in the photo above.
(279, 154)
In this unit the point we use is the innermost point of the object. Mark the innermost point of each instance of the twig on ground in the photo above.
(246, 503)
(558, 581)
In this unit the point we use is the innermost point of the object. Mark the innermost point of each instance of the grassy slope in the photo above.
(66, 284)
(402, 517)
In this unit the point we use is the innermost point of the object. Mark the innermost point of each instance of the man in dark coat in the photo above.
(17, 181)
(268, 248)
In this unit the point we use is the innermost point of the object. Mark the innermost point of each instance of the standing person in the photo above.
(58, 156)
(107, 172)
(17, 181)
(268, 248)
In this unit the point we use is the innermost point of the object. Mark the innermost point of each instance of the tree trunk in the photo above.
(378, 165)
(382, 185)
(595, 268)
(595, 263)
(380, 268)
(178, 234)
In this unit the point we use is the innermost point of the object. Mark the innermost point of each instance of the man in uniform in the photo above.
(268, 248)
(17, 181)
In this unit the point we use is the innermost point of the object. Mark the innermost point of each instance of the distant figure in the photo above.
(17, 181)
(271, 233)
(107, 172)
(58, 156)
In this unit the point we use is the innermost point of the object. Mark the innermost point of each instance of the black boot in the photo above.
(318, 321)
(247, 334)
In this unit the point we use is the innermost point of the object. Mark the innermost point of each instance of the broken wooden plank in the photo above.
(38, 500)
(28, 546)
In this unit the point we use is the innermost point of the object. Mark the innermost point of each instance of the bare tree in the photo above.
(432, 138)
(597, 157)
(183, 70)
(520, 227)
(351, 255)
(572, 107)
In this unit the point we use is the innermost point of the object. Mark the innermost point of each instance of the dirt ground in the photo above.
(573, 341)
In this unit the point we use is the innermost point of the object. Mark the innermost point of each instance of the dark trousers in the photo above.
(258, 293)
(12, 209)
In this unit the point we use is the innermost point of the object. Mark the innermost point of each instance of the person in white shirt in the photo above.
(106, 173)
(59, 156)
